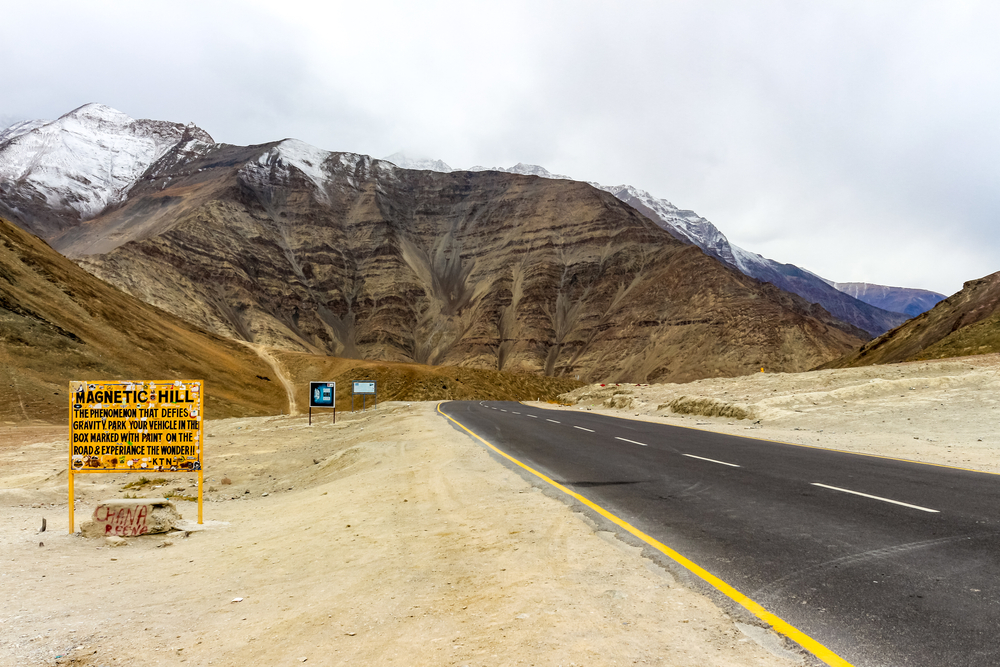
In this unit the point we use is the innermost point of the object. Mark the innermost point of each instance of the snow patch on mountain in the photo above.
(87, 159)
(386, 168)
(304, 157)
(273, 166)
(523, 169)
(682, 224)
(405, 161)
(748, 262)
(322, 168)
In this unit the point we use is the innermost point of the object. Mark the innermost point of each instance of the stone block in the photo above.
(129, 517)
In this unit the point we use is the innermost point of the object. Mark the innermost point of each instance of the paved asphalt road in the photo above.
(808, 533)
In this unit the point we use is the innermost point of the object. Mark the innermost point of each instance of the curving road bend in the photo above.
(885, 562)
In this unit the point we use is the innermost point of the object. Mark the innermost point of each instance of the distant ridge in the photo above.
(691, 227)
(966, 323)
(905, 300)
(401, 159)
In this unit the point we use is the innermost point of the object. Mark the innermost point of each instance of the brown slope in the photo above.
(59, 323)
(965, 323)
(416, 382)
(482, 269)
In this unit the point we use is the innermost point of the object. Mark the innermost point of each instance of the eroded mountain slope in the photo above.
(689, 227)
(288, 245)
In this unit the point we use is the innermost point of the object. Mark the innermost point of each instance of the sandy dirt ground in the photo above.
(393, 538)
(389, 539)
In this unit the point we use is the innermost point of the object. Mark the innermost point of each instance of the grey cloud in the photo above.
(856, 139)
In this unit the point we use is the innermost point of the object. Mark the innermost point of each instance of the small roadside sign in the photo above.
(323, 395)
(364, 389)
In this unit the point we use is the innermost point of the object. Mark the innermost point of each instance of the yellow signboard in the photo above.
(135, 426)
(126, 426)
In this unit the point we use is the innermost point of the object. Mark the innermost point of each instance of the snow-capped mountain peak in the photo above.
(89, 158)
(99, 113)
(322, 168)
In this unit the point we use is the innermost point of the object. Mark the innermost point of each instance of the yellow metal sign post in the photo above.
(125, 426)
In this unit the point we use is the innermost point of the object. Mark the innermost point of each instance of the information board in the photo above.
(322, 394)
(150, 426)
(364, 387)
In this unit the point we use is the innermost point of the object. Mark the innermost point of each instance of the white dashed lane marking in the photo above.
(632, 441)
(702, 458)
(584, 429)
(884, 500)
(553, 421)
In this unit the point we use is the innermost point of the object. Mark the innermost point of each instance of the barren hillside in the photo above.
(59, 323)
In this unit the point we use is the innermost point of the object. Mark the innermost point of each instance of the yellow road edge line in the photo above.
(778, 624)
(798, 444)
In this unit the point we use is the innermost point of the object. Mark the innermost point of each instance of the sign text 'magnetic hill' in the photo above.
(152, 426)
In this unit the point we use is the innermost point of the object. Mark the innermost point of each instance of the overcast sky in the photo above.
(860, 140)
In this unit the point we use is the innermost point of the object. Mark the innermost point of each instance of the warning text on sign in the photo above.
(136, 426)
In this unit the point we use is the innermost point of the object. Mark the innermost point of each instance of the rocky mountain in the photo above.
(689, 227)
(59, 323)
(904, 300)
(965, 323)
(685, 226)
(335, 253)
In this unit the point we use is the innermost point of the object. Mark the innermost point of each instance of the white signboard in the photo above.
(364, 387)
